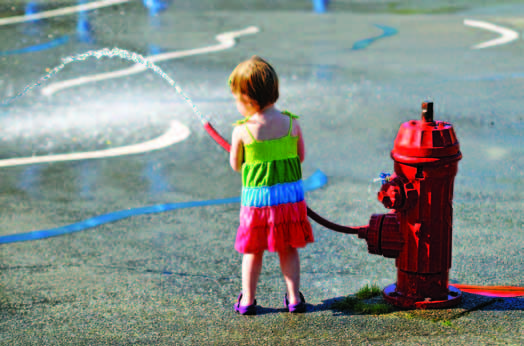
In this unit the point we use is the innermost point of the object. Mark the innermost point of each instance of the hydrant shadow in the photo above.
(506, 304)
(351, 305)
(472, 302)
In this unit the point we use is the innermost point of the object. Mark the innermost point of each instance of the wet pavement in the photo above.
(172, 277)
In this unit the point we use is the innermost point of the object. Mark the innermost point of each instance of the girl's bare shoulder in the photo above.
(296, 128)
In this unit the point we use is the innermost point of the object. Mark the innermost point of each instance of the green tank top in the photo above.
(272, 161)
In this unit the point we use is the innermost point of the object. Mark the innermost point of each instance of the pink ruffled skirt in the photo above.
(273, 228)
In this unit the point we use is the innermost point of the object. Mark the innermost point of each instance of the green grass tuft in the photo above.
(367, 292)
(355, 303)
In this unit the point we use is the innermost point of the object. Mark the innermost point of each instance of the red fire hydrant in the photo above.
(418, 231)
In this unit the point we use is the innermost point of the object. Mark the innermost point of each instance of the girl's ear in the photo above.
(250, 102)
(246, 100)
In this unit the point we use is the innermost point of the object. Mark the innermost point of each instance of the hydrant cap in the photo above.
(420, 141)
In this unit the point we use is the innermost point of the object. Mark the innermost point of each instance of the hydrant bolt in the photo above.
(427, 111)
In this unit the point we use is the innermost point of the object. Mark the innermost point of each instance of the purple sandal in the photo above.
(296, 308)
(246, 310)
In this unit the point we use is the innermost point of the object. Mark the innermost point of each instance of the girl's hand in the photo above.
(236, 155)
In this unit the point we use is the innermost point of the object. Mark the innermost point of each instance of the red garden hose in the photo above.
(492, 291)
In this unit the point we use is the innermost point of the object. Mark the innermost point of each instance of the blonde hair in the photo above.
(256, 79)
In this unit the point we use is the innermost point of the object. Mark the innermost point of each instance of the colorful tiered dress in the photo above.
(273, 212)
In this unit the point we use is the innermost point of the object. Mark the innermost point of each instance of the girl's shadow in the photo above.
(262, 310)
(324, 306)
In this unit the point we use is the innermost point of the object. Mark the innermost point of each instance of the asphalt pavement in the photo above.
(171, 275)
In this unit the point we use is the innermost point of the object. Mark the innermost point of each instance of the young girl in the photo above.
(267, 147)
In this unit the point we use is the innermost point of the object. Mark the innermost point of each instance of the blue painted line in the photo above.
(315, 181)
(387, 31)
(38, 47)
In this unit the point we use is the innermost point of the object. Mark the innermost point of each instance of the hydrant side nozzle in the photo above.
(383, 235)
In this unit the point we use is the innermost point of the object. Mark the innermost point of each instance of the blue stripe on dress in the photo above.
(273, 195)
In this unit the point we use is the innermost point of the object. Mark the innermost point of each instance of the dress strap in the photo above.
(240, 122)
(243, 122)
(291, 117)
(250, 134)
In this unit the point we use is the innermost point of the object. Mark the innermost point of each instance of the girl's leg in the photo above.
(290, 266)
(251, 266)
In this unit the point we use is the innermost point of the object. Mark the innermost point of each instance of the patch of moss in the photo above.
(373, 309)
(446, 323)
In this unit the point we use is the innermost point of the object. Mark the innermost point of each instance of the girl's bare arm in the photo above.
(236, 155)
(300, 147)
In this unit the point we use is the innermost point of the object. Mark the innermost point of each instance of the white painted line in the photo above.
(507, 35)
(61, 11)
(226, 39)
(176, 133)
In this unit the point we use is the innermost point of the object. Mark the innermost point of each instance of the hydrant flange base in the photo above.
(394, 298)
